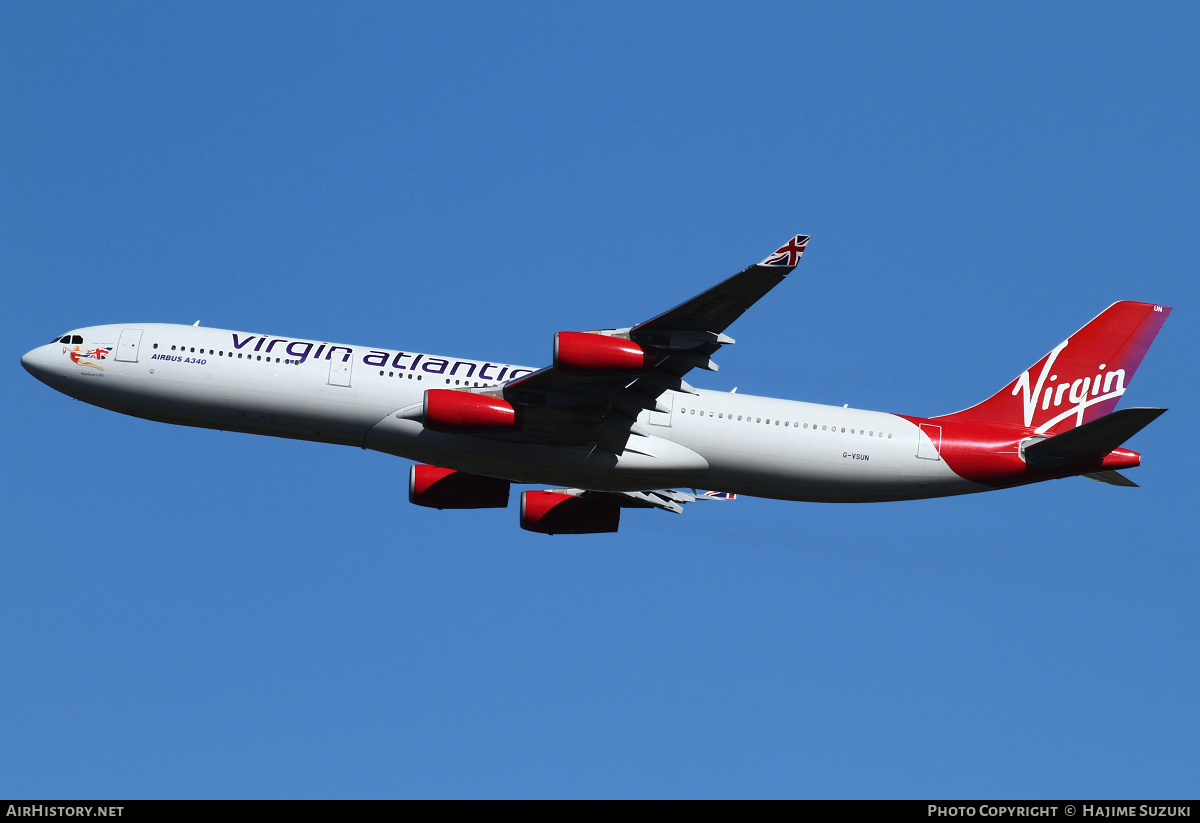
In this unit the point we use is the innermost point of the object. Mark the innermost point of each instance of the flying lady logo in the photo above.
(77, 356)
(1082, 392)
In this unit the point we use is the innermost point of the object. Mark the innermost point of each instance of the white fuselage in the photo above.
(355, 396)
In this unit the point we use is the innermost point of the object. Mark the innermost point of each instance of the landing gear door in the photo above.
(339, 371)
(929, 442)
(127, 346)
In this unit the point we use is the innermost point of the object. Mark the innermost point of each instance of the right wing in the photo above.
(562, 408)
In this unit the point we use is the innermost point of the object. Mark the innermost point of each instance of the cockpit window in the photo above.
(72, 339)
(66, 338)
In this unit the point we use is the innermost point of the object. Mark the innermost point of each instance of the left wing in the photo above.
(602, 380)
(581, 511)
(666, 499)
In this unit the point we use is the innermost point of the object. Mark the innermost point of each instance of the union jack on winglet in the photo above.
(789, 253)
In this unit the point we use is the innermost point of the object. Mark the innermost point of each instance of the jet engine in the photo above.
(457, 412)
(585, 354)
(557, 513)
(440, 488)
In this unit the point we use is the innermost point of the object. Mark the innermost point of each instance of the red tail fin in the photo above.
(1082, 378)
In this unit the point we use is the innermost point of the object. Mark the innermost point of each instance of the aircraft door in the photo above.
(666, 401)
(127, 346)
(929, 447)
(339, 371)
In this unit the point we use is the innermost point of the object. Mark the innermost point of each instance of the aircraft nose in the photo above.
(36, 363)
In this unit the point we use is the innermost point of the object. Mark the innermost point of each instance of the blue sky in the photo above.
(189, 613)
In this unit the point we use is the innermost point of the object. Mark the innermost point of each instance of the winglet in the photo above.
(788, 255)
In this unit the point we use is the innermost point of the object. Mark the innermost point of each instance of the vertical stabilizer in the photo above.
(1081, 379)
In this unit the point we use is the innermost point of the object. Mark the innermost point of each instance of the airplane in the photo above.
(611, 423)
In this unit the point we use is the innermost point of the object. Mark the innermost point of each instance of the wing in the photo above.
(670, 500)
(597, 402)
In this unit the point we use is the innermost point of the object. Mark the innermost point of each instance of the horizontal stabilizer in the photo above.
(1110, 477)
(1094, 439)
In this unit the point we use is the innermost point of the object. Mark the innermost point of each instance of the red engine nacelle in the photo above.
(459, 412)
(556, 513)
(582, 353)
(440, 488)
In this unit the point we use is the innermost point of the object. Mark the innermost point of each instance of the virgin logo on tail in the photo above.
(1082, 378)
(1077, 391)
